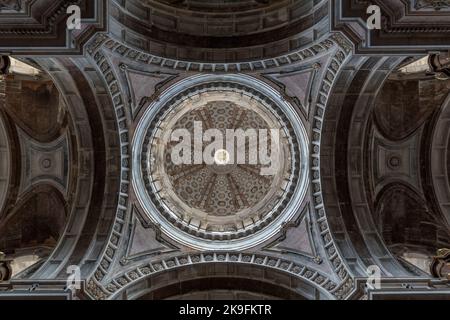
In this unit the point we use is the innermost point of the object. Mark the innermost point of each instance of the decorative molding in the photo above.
(146, 181)
(5, 157)
(152, 245)
(303, 55)
(40, 27)
(440, 65)
(296, 84)
(433, 4)
(290, 234)
(346, 286)
(406, 29)
(108, 255)
(121, 282)
(440, 265)
(144, 86)
(5, 268)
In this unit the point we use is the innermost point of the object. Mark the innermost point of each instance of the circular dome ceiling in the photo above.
(221, 162)
(224, 194)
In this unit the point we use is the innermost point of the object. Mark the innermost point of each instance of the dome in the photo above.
(221, 162)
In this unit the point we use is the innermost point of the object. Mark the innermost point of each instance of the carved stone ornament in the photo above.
(5, 63)
(440, 64)
(440, 266)
(5, 268)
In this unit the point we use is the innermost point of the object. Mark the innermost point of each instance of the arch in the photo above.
(440, 159)
(96, 136)
(344, 170)
(44, 98)
(208, 284)
(176, 278)
(405, 221)
(33, 221)
(5, 160)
